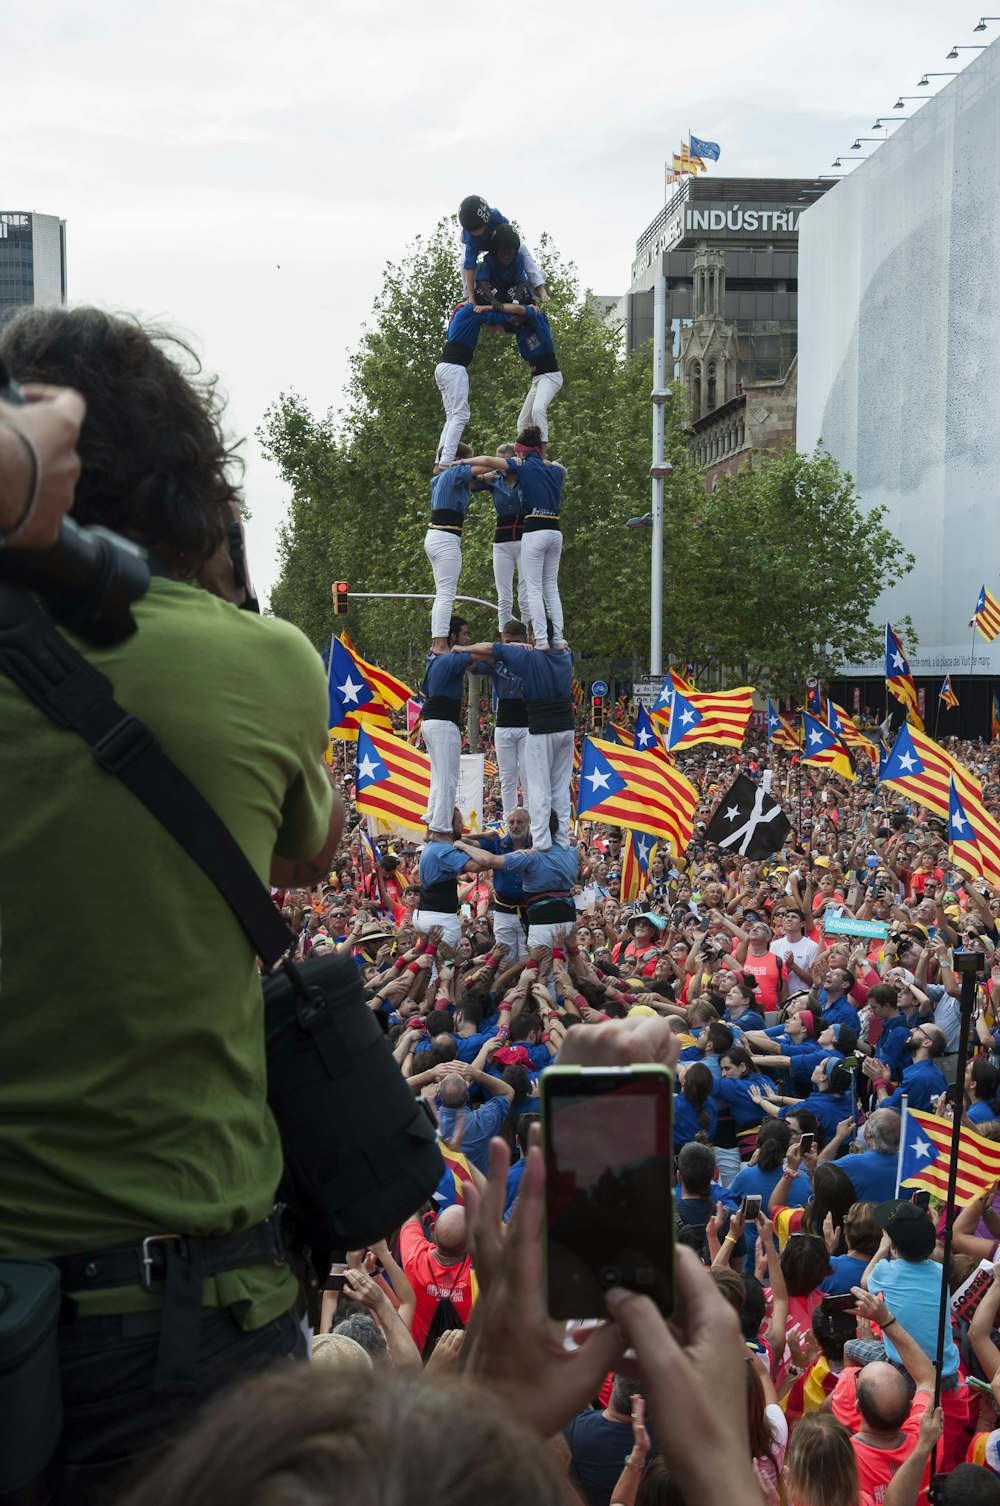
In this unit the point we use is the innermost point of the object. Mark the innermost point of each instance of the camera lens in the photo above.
(610, 1276)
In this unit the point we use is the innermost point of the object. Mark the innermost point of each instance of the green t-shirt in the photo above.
(132, 1062)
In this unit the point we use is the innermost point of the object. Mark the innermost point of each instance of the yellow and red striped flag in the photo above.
(391, 778)
(705, 717)
(921, 769)
(925, 1152)
(846, 727)
(987, 615)
(947, 694)
(898, 678)
(459, 1167)
(391, 692)
(639, 790)
(994, 718)
(823, 746)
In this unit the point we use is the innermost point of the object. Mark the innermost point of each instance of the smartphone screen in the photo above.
(751, 1206)
(922, 1199)
(807, 1142)
(609, 1186)
(839, 1304)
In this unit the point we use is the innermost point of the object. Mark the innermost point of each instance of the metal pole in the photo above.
(658, 470)
(966, 965)
(475, 695)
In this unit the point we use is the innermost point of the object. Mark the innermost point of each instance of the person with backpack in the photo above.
(439, 1269)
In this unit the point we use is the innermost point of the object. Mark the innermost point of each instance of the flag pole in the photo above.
(966, 964)
(937, 717)
(902, 1141)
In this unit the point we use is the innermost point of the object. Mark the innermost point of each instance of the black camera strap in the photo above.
(78, 697)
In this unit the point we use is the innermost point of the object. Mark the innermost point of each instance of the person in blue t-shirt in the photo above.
(548, 875)
(441, 861)
(480, 227)
(890, 1048)
(862, 1236)
(541, 545)
(762, 1176)
(831, 1099)
(922, 1082)
(734, 1095)
(508, 889)
(548, 696)
(510, 735)
(450, 490)
(981, 1083)
(452, 374)
(694, 1112)
(535, 346)
(508, 500)
(741, 1010)
(443, 687)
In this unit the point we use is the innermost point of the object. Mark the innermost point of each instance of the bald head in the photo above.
(883, 1398)
(449, 1231)
(453, 1092)
(884, 1128)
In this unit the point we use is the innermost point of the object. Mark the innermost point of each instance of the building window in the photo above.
(711, 397)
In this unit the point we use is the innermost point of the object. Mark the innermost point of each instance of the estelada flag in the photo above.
(391, 778)
(823, 746)
(947, 694)
(637, 790)
(898, 679)
(391, 692)
(987, 615)
(925, 1153)
(705, 717)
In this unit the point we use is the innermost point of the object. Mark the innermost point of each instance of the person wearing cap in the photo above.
(638, 957)
(502, 274)
(480, 223)
(922, 1082)
(909, 1280)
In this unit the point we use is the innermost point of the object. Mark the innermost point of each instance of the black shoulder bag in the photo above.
(360, 1151)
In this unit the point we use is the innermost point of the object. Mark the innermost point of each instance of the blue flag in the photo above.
(645, 736)
(709, 149)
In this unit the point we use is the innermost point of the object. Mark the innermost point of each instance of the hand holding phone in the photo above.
(807, 1143)
(751, 1207)
(608, 1140)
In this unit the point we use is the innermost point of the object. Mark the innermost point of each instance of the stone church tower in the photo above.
(708, 345)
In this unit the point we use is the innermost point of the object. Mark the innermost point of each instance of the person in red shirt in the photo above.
(755, 957)
(438, 1268)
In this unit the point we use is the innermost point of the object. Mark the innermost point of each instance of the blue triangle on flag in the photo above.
(902, 760)
(598, 779)
(349, 690)
(683, 719)
(368, 767)
(645, 736)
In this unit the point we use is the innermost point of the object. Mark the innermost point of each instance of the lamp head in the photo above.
(923, 82)
(952, 54)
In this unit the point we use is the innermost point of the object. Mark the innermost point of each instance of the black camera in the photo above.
(89, 577)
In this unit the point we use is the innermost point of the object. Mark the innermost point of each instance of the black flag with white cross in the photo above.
(747, 821)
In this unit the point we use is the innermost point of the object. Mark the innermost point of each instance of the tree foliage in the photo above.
(767, 578)
(773, 574)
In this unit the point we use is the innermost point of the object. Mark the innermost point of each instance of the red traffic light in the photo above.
(340, 598)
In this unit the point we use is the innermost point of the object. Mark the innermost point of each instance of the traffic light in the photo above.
(340, 601)
(597, 712)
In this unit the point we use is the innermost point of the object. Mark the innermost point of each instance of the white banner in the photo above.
(470, 791)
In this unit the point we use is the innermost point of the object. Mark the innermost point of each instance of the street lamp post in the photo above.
(659, 470)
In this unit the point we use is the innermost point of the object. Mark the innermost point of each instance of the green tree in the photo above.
(359, 480)
(772, 575)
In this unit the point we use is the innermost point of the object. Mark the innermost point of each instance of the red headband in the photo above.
(527, 449)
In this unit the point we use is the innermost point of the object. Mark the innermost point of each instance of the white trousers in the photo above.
(450, 925)
(505, 557)
(541, 552)
(511, 743)
(545, 935)
(535, 409)
(509, 930)
(548, 763)
(444, 550)
(727, 1160)
(453, 385)
(443, 742)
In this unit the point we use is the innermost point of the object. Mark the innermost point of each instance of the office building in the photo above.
(32, 260)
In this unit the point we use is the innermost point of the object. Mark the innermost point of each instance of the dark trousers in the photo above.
(116, 1425)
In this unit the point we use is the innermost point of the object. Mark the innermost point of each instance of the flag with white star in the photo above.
(925, 1153)
(645, 735)
(748, 822)
(923, 771)
(963, 849)
(392, 779)
(707, 716)
(780, 732)
(349, 690)
(631, 788)
(823, 746)
(637, 854)
(898, 679)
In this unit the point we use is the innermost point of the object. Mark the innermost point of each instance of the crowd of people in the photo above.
(136, 1148)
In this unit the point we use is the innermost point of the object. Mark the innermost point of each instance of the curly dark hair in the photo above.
(156, 466)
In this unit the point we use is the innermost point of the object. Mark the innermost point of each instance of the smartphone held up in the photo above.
(608, 1140)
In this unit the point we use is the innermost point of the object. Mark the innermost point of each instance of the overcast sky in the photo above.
(246, 170)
